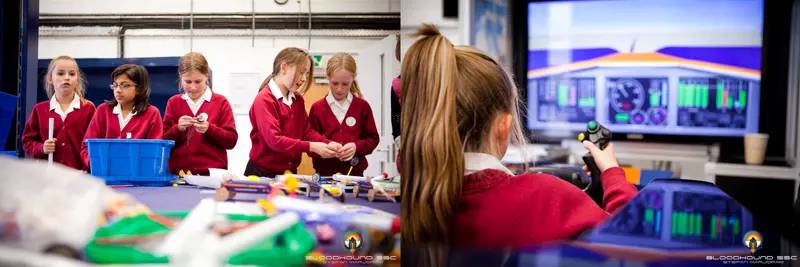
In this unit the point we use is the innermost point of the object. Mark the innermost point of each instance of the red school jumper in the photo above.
(68, 133)
(105, 124)
(202, 151)
(281, 133)
(497, 209)
(363, 133)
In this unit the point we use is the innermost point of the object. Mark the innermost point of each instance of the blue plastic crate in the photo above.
(131, 161)
(8, 106)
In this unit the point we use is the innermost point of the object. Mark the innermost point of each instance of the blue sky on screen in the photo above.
(638, 15)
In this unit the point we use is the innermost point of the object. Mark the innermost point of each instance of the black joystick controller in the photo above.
(601, 137)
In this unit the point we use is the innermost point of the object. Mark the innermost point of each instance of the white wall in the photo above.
(414, 13)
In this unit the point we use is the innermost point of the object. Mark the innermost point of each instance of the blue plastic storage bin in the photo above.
(9, 153)
(131, 161)
(8, 106)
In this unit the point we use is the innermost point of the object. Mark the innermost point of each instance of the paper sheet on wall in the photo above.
(243, 89)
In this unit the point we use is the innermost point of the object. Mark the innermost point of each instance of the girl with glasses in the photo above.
(129, 115)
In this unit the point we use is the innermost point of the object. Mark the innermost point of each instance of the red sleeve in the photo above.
(266, 114)
(224, 134)
(156, 131)
(96, 130)
(315, 124)
(32, 141)
(92, 111)
(369, 133)
(311, 134)
(170, 124)
(580, 212)
(617, 191)
(570, 211)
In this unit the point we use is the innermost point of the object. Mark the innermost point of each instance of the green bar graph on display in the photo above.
(690, 227)
(674, 224)
(690, 95)
(563, 94)
(713, 227)
(742, 98)
(586, 102)
(705, 96)
(683, 94)
(730, 100)
(648, 215)
(698, 96)
(680, 94)
(720, 89)
(698, 225)
(683, 223)
(735, 226)
(654, 99)
(724, 223)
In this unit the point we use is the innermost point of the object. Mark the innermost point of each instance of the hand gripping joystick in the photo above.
(600, 136)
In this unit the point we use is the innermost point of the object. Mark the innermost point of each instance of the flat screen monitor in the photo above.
(665, 67)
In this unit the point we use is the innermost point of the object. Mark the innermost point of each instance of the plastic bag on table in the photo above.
(50, 207)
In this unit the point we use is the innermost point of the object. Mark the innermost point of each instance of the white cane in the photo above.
(49, 137)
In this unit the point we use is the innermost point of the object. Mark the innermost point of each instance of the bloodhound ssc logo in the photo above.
(752, 240)
(352, 241)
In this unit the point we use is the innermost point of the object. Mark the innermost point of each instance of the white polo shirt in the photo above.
(339, 109)
(122, 121)
(475, 162)
(195, 106)
(273, 87)
(55, 106)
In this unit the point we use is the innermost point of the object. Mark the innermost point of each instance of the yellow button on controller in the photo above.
(581, 137)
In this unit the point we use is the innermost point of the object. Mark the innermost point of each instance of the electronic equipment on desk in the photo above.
(677, 215)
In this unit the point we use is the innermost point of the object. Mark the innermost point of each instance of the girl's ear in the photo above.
(503, 126)
(49, 79)
(284, 67)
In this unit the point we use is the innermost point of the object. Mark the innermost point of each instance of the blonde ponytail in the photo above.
(452, 99)
(432, 156)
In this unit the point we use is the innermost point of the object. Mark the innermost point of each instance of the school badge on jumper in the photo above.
(350, 121)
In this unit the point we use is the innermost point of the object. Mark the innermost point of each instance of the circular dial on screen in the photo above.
(627, 96)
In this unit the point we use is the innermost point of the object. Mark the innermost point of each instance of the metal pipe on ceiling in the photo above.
(133, 33)
(230, 21)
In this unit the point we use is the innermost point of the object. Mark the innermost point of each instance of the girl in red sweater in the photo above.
(198, 145)
(129, 115)
(281, 132)
(71, 114)
(345, 117)
(459, 114)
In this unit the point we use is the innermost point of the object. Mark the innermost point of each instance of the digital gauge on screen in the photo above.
(637, 101)
(627, 95)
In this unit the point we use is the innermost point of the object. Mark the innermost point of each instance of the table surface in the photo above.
(185, 198)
